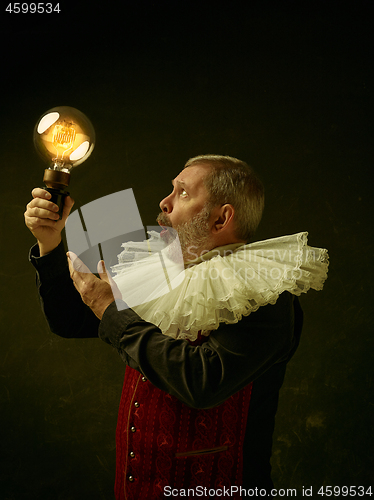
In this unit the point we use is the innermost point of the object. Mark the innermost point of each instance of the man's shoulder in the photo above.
(281, 310)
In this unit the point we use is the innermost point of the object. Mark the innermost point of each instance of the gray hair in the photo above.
(233, 181)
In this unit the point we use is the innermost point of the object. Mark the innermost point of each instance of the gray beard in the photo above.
(193, 235)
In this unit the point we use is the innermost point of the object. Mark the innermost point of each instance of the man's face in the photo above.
(185, 209)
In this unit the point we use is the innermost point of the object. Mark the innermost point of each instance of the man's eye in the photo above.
(184, 192)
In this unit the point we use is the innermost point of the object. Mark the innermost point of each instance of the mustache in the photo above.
(163, 220)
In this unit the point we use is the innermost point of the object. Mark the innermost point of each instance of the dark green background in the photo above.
(287, 87)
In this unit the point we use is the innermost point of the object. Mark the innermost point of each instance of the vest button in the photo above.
(132, 429)
(144, 379)
(136, 404)
(132, 454)
(131, 479)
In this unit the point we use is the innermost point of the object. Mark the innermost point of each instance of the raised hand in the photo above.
(42, 218)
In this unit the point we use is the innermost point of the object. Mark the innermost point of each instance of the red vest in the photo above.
(161, 442)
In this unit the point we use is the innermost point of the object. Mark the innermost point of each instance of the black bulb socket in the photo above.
(56, 181)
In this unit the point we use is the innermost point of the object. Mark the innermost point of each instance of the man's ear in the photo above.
(223, 218)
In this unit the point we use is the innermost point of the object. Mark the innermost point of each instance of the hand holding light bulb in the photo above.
(43, 219)
(65, 138)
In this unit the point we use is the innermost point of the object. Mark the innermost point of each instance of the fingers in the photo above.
(39, 218)
(41, 193)
(78, 272)
(42, 209)
(105, 276)
(75, 264)
(101, 269)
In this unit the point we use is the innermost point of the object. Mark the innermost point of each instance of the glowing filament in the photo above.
(63, 139)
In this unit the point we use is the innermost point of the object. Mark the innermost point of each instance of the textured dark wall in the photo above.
(286, 88)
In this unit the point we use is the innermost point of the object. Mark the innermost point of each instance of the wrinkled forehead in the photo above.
(193, 176)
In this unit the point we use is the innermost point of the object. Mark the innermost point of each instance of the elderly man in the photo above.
(199, 399)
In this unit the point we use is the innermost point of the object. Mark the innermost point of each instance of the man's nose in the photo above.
(166, 205)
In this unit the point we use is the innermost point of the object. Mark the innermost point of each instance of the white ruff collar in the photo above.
(220, 287)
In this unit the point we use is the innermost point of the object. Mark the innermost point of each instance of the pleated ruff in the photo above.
(222, 286)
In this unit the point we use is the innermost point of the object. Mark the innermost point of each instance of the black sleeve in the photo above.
(206, 375)
(66, 314)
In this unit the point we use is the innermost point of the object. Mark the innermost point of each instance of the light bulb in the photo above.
(65, 138)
